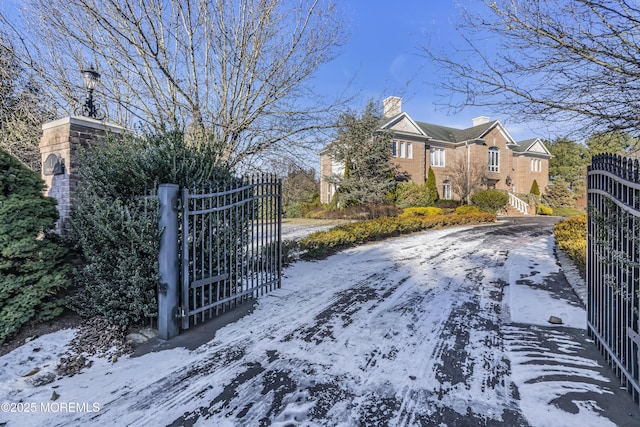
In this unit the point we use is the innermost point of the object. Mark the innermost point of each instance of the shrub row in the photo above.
(545, 210)
(423, 211)
(467, 209)
(571, 237)
(323, 243)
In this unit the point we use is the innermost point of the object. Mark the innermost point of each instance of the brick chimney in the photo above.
(392, 106)
(480, 120)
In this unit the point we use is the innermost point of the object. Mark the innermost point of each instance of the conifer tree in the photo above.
(535, 190)
(432, 188)
(365, 152)
(32, 270)
(559, 194)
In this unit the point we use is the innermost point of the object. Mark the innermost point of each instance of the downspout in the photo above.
(424, 169)
(466, 144)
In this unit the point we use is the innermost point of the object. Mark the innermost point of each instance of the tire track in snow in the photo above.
(414, 334)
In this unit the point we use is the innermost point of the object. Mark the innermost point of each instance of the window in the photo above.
(494, 159)
(446, 190)
(536, 165)
(402, 149)
(436, 157)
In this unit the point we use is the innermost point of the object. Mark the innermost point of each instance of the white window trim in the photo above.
(446, 190)
(439, 160)
(409, 150)
(536, 165)
(494, 159)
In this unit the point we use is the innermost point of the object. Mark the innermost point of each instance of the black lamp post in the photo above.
(90, 79)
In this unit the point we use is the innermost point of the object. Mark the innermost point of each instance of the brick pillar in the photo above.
(58, 150)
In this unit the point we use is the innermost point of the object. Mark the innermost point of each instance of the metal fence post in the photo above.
(169, 287)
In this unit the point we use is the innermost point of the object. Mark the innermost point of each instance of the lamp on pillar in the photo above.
(90, 79)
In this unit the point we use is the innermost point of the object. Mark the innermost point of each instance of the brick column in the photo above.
(59, 144)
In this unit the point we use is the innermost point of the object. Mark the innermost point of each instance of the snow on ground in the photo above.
(530, 300)
(446, 327)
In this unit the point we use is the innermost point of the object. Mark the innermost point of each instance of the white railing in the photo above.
(519, 204)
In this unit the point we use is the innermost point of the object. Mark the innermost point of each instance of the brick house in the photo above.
(485, 148)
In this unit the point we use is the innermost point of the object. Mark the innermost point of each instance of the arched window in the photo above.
(494, 159)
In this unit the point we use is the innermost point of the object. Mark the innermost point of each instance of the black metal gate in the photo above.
(227, 242)
(613, 264)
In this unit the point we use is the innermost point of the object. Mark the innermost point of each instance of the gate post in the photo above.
(169, 287)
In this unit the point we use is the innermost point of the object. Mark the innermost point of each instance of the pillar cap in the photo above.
(85, 121)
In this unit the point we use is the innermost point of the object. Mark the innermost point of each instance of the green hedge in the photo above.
(410, 194)
(490, 200)
(323, 243)
(571, 237)
(423, 211)
(116, 230)
(33, 272)
(545, 210)
(467, 209)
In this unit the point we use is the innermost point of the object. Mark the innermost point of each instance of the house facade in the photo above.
(484, 152)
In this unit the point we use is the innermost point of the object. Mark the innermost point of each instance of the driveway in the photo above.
(442, 328)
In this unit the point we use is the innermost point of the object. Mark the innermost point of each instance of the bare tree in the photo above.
(22, 110)
(575, 62)
(467, 177)
(237, 72)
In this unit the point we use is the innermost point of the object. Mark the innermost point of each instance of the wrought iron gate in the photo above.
(229, 249)
(613, 264)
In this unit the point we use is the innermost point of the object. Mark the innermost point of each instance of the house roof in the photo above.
(533, 145)
(445, 133)
(453, 135)
(457, 136)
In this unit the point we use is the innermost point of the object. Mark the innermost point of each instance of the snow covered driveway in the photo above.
(445, 328)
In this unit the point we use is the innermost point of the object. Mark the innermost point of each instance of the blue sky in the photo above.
(383, 53)
(382, 58)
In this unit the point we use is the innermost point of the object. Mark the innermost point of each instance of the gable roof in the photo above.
(389, 122)
(403, 123)
(532, 146)
(456, 136)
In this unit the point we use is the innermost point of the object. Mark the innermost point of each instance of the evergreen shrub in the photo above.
(447, 204)
(432, 187)
(422, 211)
(535, 189)
(467, 209)
(116, 228)
(559, 194)
(490, 200)
(571, 237)
(410, 194)
(33, 271)
(545, 210)
(359, 212)
(323, 243)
